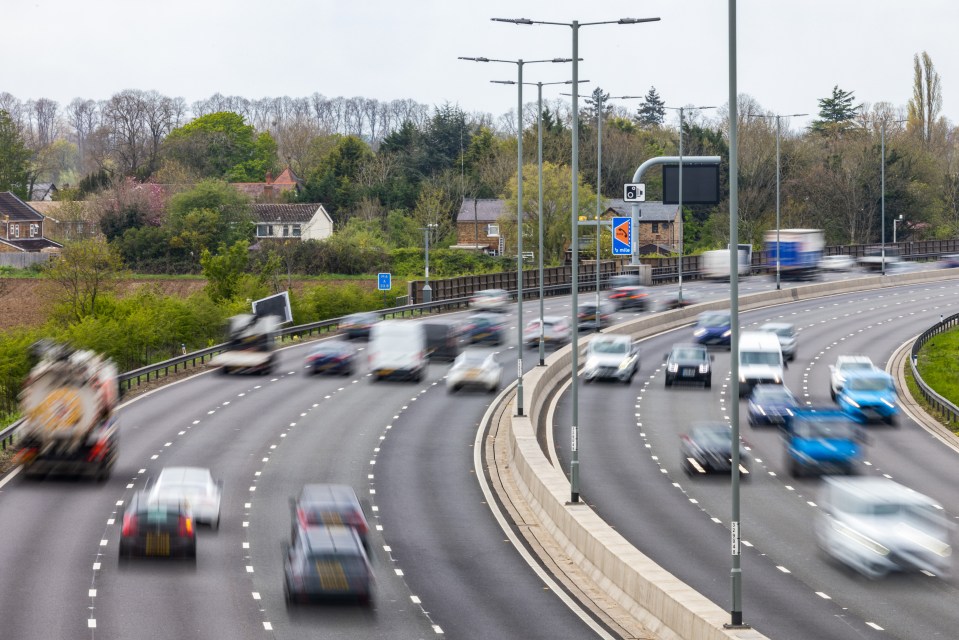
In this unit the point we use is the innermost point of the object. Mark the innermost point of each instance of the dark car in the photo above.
(589, 317)
(325, 563)
(707, 448)
(334, 357)
(485, 328)
(771, 404)
(157, 528)
(358, 325)
(630, 297)
(689, 363)
(442, 340)
(329, 505)
(713, 328)
(670, 301)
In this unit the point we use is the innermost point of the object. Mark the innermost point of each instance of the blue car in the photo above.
(869, 396)
(771, 404)
(713, 328)
(822, 441)
(485, 328)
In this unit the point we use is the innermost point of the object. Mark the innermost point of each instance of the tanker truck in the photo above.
(67, 402)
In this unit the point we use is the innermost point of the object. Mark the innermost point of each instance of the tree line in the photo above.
(385, 169)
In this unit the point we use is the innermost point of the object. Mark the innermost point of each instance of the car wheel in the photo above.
(795, 469)
(832, 394)
(215, 523)
(708, 383)
(494, 388)
(669, 382)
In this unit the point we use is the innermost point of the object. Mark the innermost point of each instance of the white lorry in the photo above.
(714, 264)
(67, 403)
(760, 360)
(250, 348)
(398, 349)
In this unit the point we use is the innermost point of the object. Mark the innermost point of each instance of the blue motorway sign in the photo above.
(622, 236)
(383, 282)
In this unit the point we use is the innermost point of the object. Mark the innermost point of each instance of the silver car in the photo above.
(474, 369)
(787, 337)
(195, 486)
(611, 357)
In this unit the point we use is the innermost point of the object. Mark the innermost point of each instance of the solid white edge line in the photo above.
(547, 579)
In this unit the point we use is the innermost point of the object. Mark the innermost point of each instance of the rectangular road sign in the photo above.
(634, 192)
(383, 281)
(622, 236)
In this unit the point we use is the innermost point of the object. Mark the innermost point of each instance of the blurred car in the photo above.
(688, 363)
(611, 357)
(630, 297)
(949, 261)
(787, 337)
(490, 300)
(193, 485)
(327, 563)
(874, 259)
(841, 262)
(869, 396)
(592, 317)
(707, 448)
(877, 526)
(556, 331)
(357, 325)
(671, 301)
(485, 328)
(713, 328)
(822, 440)
(845, 366)
(334, 357)
(329, 505)
(157, 527)
(474, 369)
(771, 404)
(442, 339)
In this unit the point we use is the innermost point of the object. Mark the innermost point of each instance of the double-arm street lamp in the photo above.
(519, 214)
(575, 25)
(778, 174)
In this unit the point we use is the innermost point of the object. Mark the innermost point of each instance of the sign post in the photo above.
(622, 236)
(384, 283)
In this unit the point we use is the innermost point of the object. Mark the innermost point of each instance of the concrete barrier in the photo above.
(655, 597)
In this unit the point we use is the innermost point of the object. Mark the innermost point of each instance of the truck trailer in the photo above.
(799, 252)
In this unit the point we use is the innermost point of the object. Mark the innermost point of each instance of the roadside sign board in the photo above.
(634, 192)
(622, 236)
(384, 281)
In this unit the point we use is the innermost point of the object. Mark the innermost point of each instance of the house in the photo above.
(43, 191)
(21, 227)
(659, 224)
(270, 190)
(477, 228)
(292, 221)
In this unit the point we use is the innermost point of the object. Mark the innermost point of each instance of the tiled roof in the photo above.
(287, 177)
(649, 211)
(33, 244)
(16, 209)
(284, 213)
(43, 191)
(487, 210)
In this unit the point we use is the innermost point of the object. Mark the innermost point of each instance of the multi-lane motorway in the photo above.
(443, 565)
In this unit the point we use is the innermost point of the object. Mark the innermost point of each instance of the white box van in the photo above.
(397, 349)
(760, 360)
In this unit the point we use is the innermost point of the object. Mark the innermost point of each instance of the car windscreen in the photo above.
(769, 358)
(867, 383)
(824, 429)
(609, 346)
(714, 320)
(689, 354)
(773, 396)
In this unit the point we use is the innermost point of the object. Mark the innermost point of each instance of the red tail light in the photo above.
(97, 451)
(185, 527)
(358, 523)
(301, 517)
(129, 524)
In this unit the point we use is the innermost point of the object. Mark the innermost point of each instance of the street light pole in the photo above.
(575, 25)
(519, 216)
(778, 174)
(427, 291)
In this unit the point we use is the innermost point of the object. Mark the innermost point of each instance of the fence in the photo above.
(23, 260)
(942, 405)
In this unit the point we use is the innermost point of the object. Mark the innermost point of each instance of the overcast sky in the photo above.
(790, 53)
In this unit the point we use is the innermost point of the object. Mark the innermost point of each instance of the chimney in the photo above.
(269, 177)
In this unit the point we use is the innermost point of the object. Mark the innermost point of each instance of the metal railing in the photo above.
(940, 403)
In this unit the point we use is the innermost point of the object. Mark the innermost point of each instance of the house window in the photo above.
(286, 231)
(34, 230)
(655, 227)
(296, 231)
(264, 230)
(492, 230)
(16, 231)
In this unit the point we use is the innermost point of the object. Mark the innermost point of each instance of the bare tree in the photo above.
(125, 116)
(45, 116)
(83, 116)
